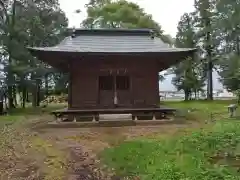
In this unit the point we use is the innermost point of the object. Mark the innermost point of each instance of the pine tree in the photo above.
(187, 74)
(205, 17)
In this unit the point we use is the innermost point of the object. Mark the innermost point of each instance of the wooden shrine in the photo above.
(112, 70)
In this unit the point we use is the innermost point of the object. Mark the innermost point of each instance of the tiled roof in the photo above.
(110, 40)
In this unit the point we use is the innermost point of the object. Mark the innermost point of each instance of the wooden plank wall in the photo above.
(143, 77)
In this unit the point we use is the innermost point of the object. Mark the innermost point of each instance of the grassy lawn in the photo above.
(212, 152)
(29, 110)
(203, 110)
(206, 106)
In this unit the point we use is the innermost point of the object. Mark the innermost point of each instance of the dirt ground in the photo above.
(70, 154)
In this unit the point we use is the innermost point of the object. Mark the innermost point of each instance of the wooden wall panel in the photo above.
(143, 77)
(84, 89)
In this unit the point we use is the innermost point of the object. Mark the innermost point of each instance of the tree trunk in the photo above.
(27, 96)
(24, 96)
(46, 85)
(186, 95)
(1, 107)
(34, 100)
(237, 44)
(36, 95)
(5, 101)
(238, 100)
(10, 49)
(15, 96)
(210, 63)
(210, 81)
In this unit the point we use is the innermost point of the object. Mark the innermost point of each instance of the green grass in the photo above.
(19, 114)
(216, 105)
(187, 157)
(29, 110)
(195, 155)
(202, 110)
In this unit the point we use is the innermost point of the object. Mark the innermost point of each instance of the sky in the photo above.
(166, 12)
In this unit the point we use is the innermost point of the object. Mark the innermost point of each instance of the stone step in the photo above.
(115, 117)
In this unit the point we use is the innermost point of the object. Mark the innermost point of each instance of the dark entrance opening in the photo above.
(122, 83)
(114, 91)
(123, 91)
(106, 83)
(106, 91)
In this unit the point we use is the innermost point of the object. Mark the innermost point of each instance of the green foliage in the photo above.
(188, 78)
(227, 19)
(230, 73)
(205, 22)
(188, 157)
(186, 37)
(215, 30)
(188, 74)
(199, 29)
(120, 14)
(22, 24)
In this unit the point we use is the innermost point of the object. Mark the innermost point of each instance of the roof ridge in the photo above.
(110, 32)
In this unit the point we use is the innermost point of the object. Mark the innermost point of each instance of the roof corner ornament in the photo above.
(73, 32)
(152, 34)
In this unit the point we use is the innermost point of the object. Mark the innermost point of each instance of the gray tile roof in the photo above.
(119, 41)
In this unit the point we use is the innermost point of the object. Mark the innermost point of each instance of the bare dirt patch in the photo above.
(25, 155)
(83, 144)
(64, 153)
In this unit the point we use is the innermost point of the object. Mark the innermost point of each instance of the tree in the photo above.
(229, 51)
(27, 23)
(230, 74)
(120, 14)
(205, 15)
(228, 13)
(187, 75)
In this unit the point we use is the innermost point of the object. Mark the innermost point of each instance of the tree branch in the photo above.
(4, 10)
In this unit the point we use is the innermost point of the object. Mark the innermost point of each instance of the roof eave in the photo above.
(60, 59)
(52, 50)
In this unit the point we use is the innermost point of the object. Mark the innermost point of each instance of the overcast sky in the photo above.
(166, 12)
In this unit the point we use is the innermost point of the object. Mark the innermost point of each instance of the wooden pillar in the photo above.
(115, 98)
(70, 78)
(131, 78)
